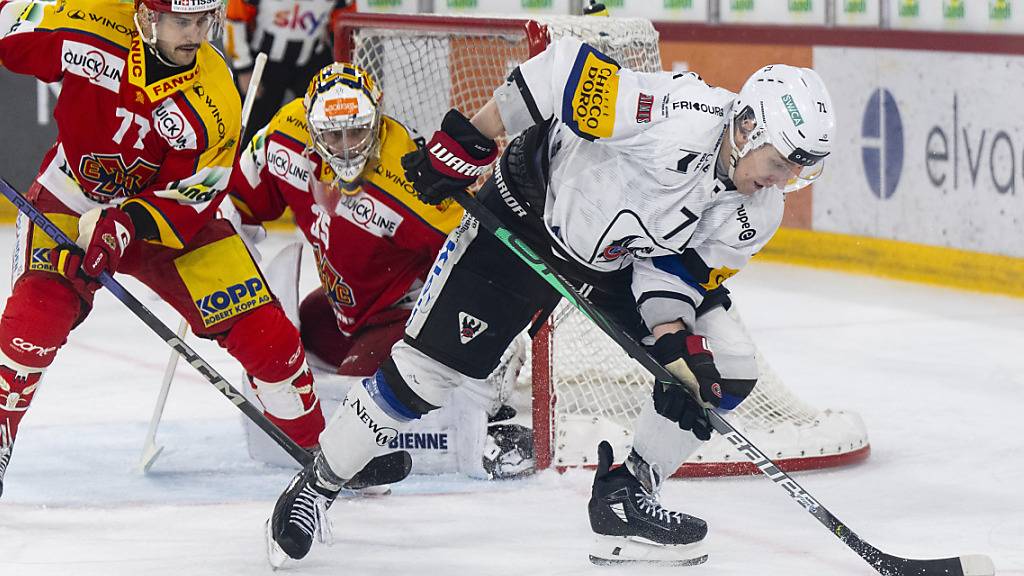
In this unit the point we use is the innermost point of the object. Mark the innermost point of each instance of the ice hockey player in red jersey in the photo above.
(335, 160)
(148, 123)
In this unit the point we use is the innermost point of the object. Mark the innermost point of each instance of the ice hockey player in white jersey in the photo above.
(647, 190)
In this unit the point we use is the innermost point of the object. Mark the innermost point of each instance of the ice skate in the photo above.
(300, 514)
(631, 526)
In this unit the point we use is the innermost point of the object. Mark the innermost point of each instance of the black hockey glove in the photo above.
(508, 451)
(675, 402)
(687, 357)
(453, 159)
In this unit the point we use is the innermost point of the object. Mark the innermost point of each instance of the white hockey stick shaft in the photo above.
(250, 92)
(150, 451)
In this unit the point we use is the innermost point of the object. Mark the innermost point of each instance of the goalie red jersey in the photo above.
(126, 134)
(379, 241)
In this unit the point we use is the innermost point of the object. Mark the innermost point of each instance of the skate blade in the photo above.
(624, 550)
(276, 557)
(368, 492)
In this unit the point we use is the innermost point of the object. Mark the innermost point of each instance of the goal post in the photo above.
(579, 386)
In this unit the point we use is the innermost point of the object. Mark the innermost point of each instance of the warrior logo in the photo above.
(470, 327)
(112, 178)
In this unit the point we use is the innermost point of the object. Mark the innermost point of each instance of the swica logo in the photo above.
(882, 143)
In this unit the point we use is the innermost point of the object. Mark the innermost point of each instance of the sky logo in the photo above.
(882, 143)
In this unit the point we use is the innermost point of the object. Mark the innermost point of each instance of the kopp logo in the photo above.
(882, 143)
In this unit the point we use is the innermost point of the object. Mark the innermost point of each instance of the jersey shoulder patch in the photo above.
(591, 92)
(286, 163)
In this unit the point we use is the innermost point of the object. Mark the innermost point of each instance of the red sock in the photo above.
(267, 345)
(36, 321)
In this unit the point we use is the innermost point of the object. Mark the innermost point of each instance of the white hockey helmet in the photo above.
(793, 112)
(343, 116)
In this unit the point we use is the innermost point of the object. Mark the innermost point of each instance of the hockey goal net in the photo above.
(583, 387)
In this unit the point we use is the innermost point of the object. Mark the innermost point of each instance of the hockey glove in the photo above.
(688, 358)
(508, 451)
(103, 236)
(451, 161)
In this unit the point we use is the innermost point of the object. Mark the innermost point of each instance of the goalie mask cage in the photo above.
(584, 388)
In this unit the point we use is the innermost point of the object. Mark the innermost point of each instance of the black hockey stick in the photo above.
(386, 469)
(885, 564)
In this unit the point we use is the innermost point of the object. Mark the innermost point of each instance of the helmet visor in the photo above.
(803, 177)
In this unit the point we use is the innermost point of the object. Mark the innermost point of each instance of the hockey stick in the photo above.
(387, 469)
(139, 309)
(885, 564)
(150, 451)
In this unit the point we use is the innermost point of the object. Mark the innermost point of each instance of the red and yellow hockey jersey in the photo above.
(167, 144)
(381, 239)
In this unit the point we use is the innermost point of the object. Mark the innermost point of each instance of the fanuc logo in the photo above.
(882, 143)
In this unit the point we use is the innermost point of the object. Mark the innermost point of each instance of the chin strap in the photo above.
(151, 44)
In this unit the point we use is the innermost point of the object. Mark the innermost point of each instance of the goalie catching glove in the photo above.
(453, 159)
(103, 236)
(689, 359)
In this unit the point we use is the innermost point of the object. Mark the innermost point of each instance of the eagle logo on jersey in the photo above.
(622, 246)
(113, 178)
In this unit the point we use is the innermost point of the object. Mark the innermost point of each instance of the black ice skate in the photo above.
(631, 525)
(300, 514)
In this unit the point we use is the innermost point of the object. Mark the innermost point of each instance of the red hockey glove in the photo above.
(103, 236)
(451, 161)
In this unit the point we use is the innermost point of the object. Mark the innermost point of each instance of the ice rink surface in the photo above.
(936, 374)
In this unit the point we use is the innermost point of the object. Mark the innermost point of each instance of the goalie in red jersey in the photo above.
(334, 159)
(148, 122)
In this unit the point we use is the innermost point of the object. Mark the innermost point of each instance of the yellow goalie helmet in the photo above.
(343, 116)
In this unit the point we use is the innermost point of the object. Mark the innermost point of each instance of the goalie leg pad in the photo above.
(369, 419)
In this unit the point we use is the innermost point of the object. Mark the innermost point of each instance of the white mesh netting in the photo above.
(426, 65)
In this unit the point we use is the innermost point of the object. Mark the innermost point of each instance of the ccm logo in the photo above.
(30, 347)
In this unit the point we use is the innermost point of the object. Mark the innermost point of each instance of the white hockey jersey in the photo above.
(632, 175)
